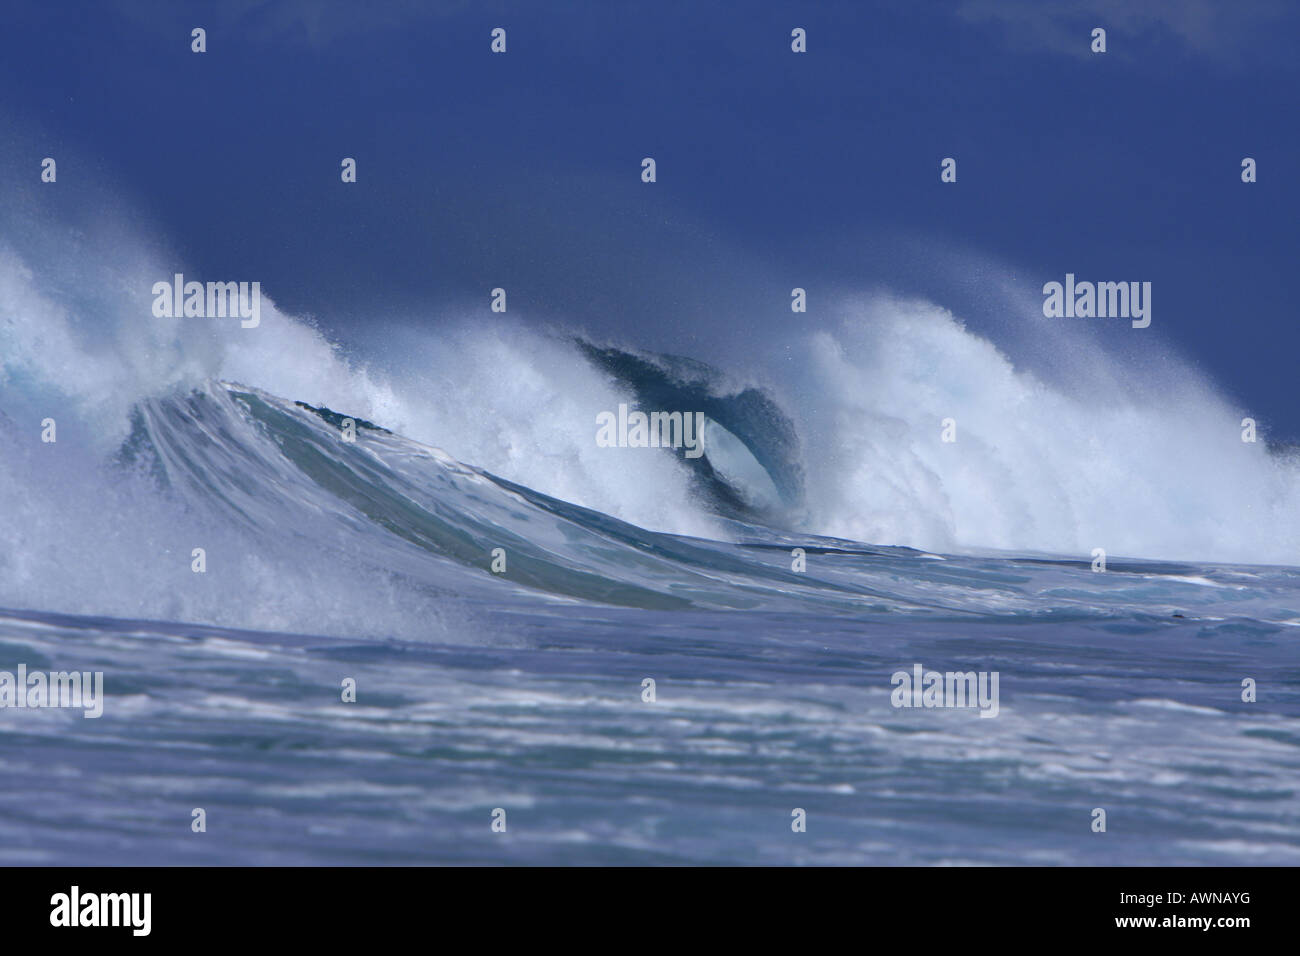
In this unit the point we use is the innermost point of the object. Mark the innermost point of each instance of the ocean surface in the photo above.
(521, 689)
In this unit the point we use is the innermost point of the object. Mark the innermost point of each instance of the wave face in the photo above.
(845, 423)
(258, 482)
(827, 539)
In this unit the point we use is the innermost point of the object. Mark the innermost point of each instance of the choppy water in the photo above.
(523, 690)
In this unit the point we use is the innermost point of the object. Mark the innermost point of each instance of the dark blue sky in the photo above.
(819, 170)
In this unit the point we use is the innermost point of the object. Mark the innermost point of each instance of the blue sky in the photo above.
(818, 170)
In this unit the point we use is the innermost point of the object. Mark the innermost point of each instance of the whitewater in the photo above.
(827, 538)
